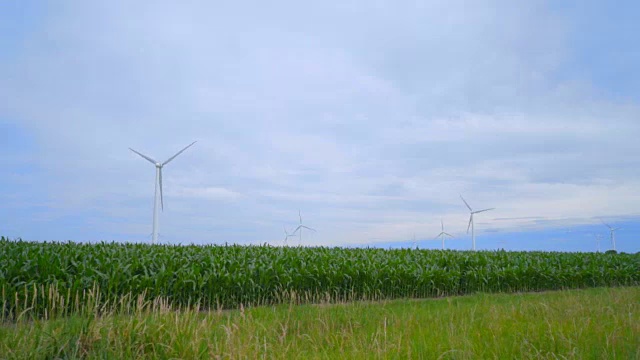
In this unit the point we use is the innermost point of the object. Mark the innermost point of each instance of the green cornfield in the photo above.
(47, 279)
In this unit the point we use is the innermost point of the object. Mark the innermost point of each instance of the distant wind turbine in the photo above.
(158, 184)
(443, 234)
(598, 238)
(300, 227)
(612, 232)
(471, 223)
(287, 235)
(415, 244)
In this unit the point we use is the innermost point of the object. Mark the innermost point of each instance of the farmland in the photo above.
(49, 279)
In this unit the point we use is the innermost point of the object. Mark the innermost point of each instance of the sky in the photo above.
(371, 118)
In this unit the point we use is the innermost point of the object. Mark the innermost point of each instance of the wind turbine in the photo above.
(471, 223)
(287, 235)
(443, 234)
(300, 227)
(158, 184)
(612, 231)
(598, 238)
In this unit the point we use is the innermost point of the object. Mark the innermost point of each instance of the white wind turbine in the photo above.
(598, 238)
(287, 235)
(158, 184)
(443, 234)
(300, 227)
(612, 231)
(471, 223)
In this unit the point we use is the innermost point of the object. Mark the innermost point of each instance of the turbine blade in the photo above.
(300, 216)
(448, 234)
(465, 202)
(479, 211)
(160, 180)
(442, 223)
(470, 220)
(607, 225)
(178, 153)
(144, 156)
(308, 228)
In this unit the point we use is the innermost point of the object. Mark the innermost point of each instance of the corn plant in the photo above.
(51, 278)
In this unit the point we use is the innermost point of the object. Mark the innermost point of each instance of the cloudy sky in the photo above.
(370, 117)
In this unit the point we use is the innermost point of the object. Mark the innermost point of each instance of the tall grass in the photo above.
(601, 323)
(48, 279)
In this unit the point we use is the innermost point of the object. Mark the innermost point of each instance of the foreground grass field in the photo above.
(599, 323)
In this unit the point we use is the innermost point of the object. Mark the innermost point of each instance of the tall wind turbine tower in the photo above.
(612, 232)
(471, 223)
(158, 184)
(443, 234)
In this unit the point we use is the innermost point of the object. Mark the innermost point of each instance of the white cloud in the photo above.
(370, 117)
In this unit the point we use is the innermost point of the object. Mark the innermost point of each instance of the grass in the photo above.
(598, 323)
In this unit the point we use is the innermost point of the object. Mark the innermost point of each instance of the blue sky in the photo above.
(369, 117)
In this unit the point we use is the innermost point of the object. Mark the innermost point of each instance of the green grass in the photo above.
(598, 323)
